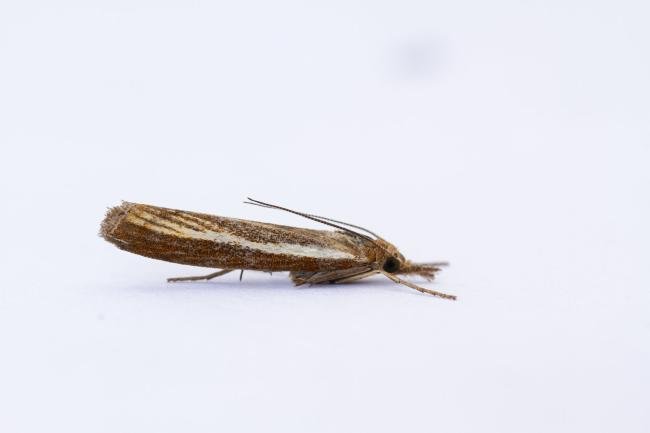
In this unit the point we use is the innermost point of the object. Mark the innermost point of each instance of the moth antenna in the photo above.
(324, 218)
(308, 216)
(346, 224)
(416, 287)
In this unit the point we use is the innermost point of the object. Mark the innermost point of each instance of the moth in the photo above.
(346, 254)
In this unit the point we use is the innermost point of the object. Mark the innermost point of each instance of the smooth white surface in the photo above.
(512, 139)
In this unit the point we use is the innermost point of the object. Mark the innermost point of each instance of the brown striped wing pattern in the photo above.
(218, 242)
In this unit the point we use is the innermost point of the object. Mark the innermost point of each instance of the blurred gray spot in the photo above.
(418, 58)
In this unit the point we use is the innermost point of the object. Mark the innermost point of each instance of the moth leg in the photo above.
(241, 274)
(418, 288)
(305, 277)
(201, 277)
(356, 277)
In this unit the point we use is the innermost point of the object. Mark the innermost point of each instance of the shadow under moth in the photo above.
(310, 256)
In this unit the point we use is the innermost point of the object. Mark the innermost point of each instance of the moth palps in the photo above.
(311, 256)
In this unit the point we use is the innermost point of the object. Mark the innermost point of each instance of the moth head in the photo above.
(392, 261)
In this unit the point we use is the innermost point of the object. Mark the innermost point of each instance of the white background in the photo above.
(510, 138)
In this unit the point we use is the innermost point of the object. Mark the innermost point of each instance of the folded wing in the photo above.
(218, 242)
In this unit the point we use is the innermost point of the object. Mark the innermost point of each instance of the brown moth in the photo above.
(311, 256)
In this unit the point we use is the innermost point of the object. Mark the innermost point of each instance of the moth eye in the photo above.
(391, 265)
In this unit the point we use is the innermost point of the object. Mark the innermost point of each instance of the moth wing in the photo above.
(219, 242)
